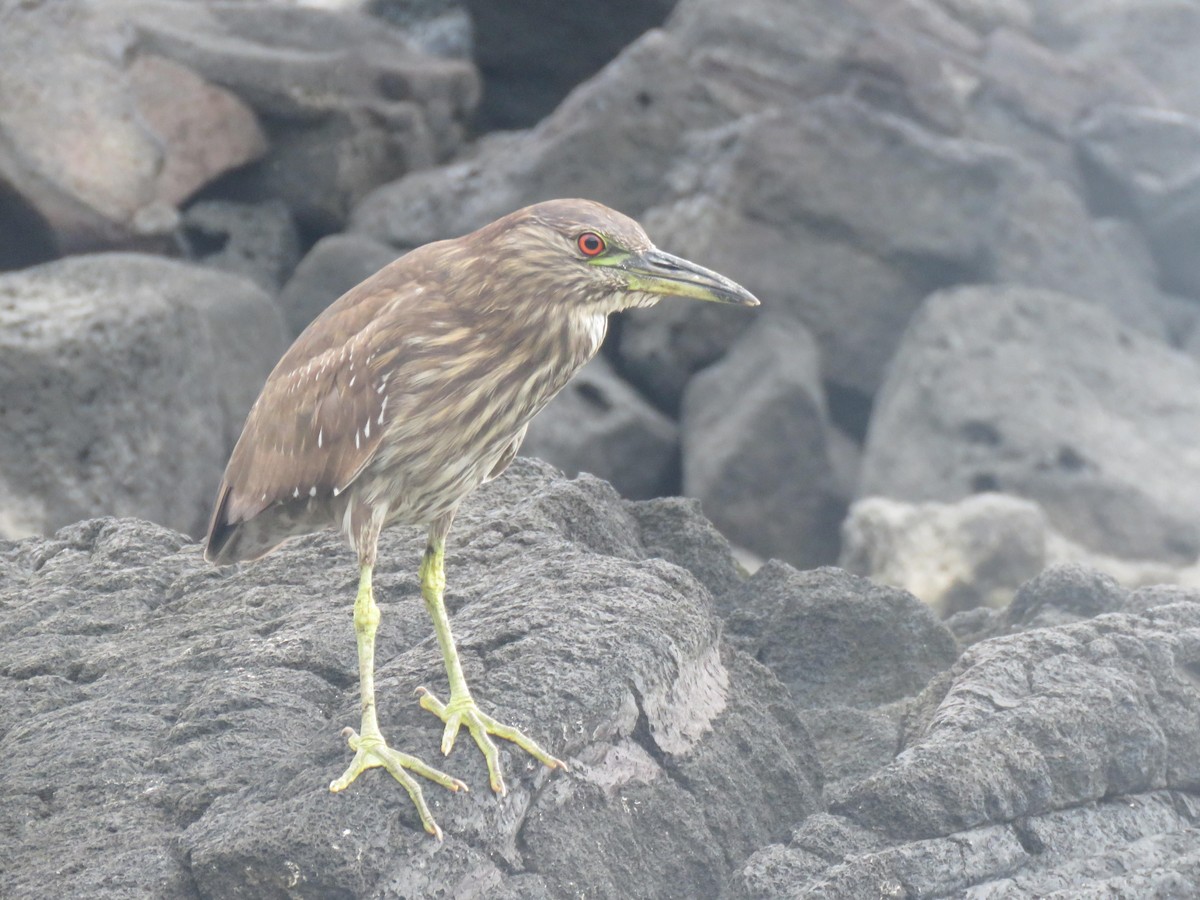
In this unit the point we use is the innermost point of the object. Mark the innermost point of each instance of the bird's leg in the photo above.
(461, 708)
(370, 749)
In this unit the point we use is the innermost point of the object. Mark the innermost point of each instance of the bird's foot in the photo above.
(371, 751)
(463, 711)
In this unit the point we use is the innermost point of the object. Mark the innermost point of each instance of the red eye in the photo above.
(591, 244)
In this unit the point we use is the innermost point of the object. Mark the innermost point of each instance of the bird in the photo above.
(414, 388)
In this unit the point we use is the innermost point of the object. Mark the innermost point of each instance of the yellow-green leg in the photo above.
(370, 749)
(461, 709)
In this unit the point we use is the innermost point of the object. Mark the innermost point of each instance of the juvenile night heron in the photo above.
(414, 388)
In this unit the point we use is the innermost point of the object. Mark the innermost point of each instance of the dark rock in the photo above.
(958, 556)
(1154, 38)
(754, 445)
(987, 15)
(851, 744)
(532, 53)
(661, 348)
(100, 140)
(616, 136)
(1046, 239)
(124, 381)
(1029, 97)
(333, 266)
(258, 241)
(638, 110)
(599, 424)
(1140, 846)
(674, 529)
(1046, 720)
(347, 101)
(849, 217)
(173, 727)
(1040, 395)
(835, 639)
(1062, 594)
(970, 626)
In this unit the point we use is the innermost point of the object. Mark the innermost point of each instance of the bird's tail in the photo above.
(231, 542)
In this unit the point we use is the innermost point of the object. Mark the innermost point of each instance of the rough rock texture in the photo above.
(1056, 762)
(638, 110)
(124, 380)
(1036, 394)
(347, 101)
(1045, 720)
(171, 729)
(1144, 164)
(836, 639)
(755, 445)
(599, 424)
(852, 244)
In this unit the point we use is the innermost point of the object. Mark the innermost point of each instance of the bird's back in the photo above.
(395, 395)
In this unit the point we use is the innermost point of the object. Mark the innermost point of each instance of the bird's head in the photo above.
(584, 252)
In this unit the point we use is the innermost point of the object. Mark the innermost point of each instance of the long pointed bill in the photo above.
(657, 272)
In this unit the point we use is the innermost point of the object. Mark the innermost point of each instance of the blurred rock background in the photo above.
(973, 224)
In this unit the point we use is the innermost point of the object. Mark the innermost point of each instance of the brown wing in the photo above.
(319, 418)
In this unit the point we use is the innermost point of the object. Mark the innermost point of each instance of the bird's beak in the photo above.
(657, 272)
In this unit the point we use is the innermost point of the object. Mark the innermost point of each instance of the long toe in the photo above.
(372, 751)
(464, 711)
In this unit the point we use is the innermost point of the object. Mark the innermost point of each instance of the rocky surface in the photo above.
(1038, 394)
(755, 450)
(119, 112)
(190, 716)
(124, 380)
(170, 728)
(972, 224)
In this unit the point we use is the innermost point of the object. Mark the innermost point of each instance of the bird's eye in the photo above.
(591, 244)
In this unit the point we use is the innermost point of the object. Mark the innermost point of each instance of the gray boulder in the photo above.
(1038, 394)
(755, 447)
(124, 381)
(1139, 846)
(599, 424)
(1058, 762)
(333, 266)
(611, 140)
(835, 639)
(1046, 720)
(849, 217)
(347, 100)
(1063, 594)
(101, 138)
(954, 556)
(172, 728)
(257, 240)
